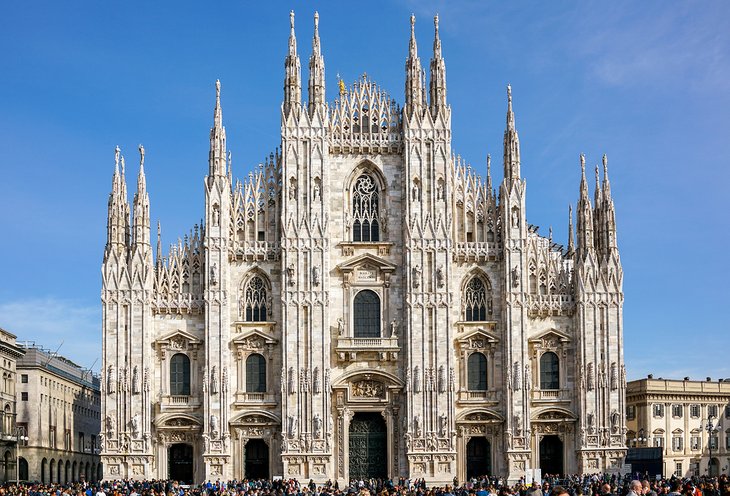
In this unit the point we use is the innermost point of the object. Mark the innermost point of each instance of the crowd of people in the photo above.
(587, 485)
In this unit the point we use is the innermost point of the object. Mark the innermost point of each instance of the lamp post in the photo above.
(711, 428)
(640, 439)
(20, 436)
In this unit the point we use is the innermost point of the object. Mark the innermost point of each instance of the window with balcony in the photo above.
(180, 375)
(366, 315)
(477, 372)
(549, 371)
(255, 374)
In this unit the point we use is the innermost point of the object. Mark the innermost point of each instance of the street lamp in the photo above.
(711, 429)
(640, 438)
(20, 436)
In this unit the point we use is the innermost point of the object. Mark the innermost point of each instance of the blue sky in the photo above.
(648, 83)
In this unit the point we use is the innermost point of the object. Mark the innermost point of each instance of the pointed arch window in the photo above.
(477, 372)
(475, 300)
(549, 371)
(365, 209)
(366, 315)
(180, 375)
(255, 374)
(254, 300)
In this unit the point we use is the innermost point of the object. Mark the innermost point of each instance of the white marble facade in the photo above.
(361, 269)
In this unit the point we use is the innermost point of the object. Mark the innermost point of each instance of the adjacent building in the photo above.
(363, 304)
(59, 410)
(673, 415)
(9, 354)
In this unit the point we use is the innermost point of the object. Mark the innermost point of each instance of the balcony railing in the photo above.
(386, 348)
(551, 395)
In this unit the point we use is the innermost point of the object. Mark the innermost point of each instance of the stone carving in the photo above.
(517, 376)
(614, 376)
(428, 379)
(393, 329)
(214, 275)
(590, 378)
(510, 383)
(110, 430)
(623, 376)
(134, 424)
(327, 382)
(416, 276)
(135, 380)
(213, 381)
(516, 277)
(441, 380)
(224, 379)
(340, 326)
(283, 380)
(316, 382)
(317, 422)
(517, 421)
(292, 426)
(417, 426)
(443, 421)
(528, 377)
(452, 379)
(368, 389)
(304, 380)
(214, 425)
(440, 276)
(515, 217)
(590, 419)
(602, 376)
(615, 419)
(110, 380)
(315, 275)
(417, 379)
(290, 274)
(292, 381)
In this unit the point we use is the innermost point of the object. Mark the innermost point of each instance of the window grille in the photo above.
(255, 300)
(475, 299)
(365, 210)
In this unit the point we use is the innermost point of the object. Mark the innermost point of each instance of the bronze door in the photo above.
(368, 446)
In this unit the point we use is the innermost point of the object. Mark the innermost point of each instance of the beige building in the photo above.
(363, 304)
(9, 354)
(59, 411)
(673, 415)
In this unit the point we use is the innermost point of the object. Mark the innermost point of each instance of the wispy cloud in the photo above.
(50, 321)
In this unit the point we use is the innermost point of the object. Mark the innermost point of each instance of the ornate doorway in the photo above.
(368, 446)
(551, 455)
(257, 459)
(180, 463)
(478, 457)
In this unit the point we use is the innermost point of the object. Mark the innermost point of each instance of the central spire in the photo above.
(292, 72)
(414, 83)
(511, 143)
(217, 153)
(438, 74)
(316, 72)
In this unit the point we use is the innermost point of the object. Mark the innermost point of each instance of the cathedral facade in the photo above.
(364, 304)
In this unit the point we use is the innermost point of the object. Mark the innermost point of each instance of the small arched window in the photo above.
(367, 315)
(477, 372)
(475, 300)
(549, 371)
(180, 375)
(255, 374)
(254, 300)
(365, 209)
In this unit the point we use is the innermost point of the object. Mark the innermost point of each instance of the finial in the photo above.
(316, 20)
(509, 93)
(551, 234)
(229, 160)
(583, 163)
(597, 181)
(291, 20)
(141, 157)
(117, 151)
(436, 23)
(122, 163)
(218, 89)
(413, 24)
(605, 166)
(489, 164)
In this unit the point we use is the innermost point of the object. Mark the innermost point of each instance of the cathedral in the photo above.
(362, 304)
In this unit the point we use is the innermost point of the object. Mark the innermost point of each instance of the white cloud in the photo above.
(50, 321)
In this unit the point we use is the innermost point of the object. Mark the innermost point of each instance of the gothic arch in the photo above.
(476, 299)
(255, 298)
(373, 211)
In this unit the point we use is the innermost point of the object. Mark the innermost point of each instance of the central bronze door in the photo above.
(368, 446)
